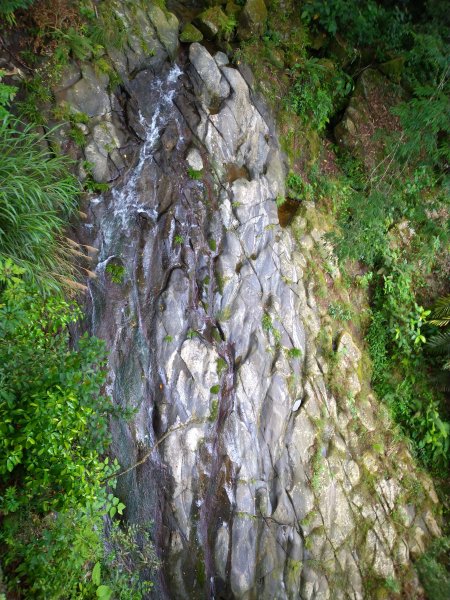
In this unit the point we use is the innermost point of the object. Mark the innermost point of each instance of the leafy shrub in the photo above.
(400, 377)
(47, 557)
(67, 555)
(116, 272)
(363, 23)
(439, 341)
(53, 433)
(53, 417)
(38, 195)
(433, 569)
(426, 128)
(340, 312)
(298, 188)
(7, 93)
(316, 89)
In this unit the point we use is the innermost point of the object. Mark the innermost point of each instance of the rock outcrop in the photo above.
(261, 482)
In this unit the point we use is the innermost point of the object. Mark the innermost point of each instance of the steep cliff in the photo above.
(262, 479)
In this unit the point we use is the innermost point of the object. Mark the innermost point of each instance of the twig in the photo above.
(149, 452)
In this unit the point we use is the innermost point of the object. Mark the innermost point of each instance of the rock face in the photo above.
(260, 482)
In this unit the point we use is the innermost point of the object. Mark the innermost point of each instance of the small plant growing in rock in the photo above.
(221, 365)
(339, 312)
(224, 314)
(392, 585)
(214, 411)
(297, 188)
(266, 322)
(116, 273)
(364, 280)
(194, 174)
(294, 353)
(179, 239)
(77, 136)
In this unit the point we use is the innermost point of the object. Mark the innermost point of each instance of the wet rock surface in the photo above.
(259, 481)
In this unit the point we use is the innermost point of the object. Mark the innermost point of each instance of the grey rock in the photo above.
(208, 71)
(210, 22)
(70, 75)
(104, 140)
(297, 405)
(194, 159)
(190, 34)
(166, 25)
(221, 59)
(252, 19)
(88, 95)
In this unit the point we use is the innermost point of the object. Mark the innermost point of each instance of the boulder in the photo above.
(208, 71)
(348, 352)
(194, 159)
(99, 150)
(393, 68)
(221, 59)
(70, 75)
(212, 22)
(166, 25)
(369, 109)
(88, 95)
(190, 34)
(252, 19)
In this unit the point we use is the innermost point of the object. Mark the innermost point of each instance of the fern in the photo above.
(441, 312)
(9, 6)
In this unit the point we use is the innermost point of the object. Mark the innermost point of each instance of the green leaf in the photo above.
(96, 574)
(104, 592)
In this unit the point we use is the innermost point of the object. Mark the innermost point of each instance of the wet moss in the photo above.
(214, 411)
(200, 571)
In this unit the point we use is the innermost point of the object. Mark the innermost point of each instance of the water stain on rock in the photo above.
(287, 211)
(234, 172)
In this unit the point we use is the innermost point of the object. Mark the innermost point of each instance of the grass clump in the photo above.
(38, 196)
(194, 174)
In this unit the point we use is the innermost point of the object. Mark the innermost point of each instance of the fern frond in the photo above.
(441, 312)
(440, 342)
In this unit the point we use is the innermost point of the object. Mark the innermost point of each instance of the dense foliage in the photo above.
(391, 219)
(53, 418)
